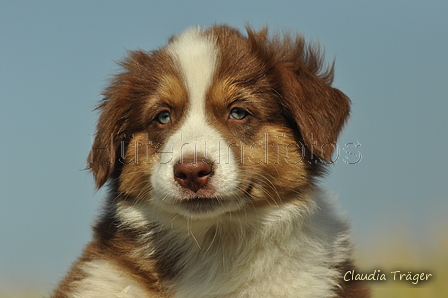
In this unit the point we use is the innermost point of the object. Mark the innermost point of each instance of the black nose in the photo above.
(193, 173)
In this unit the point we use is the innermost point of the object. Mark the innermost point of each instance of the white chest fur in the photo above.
(278, 251)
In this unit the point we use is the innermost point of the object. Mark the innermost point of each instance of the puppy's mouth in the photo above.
(205, 203)
(200, 205)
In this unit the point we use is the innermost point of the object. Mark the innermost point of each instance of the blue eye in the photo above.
(164, 117)
(238, 114)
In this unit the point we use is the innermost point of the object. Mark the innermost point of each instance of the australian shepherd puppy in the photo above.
(211, 148)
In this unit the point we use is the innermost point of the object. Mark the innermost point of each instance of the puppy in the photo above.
(211, 148)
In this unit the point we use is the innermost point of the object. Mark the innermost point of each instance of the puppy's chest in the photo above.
(261, 270)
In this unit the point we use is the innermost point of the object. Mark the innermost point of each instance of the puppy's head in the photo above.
(217, 122)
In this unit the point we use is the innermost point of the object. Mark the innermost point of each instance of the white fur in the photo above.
(106, 280)
(196, 57)
(276, 251)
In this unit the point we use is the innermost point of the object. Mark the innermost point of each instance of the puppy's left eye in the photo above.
(164, 117)
(238, 114)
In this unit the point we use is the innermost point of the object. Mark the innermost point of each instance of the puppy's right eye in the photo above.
(164, 117)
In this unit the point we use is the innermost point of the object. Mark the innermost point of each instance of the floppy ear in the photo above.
(319, 110)
(122, 101)
(102, 160)
(304, 85)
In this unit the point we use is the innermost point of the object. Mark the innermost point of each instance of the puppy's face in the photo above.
(216, 122)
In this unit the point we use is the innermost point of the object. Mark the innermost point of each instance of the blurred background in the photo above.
(391, 174)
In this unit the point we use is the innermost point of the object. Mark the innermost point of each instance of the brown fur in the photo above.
(286, 146)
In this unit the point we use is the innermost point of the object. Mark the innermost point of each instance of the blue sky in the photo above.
(56, 56)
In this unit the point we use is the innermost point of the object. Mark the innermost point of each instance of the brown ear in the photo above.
(103, 155)
(122, 101)
(319, 110)
(304, 86)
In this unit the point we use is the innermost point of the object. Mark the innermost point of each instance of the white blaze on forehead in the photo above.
(195, 54)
